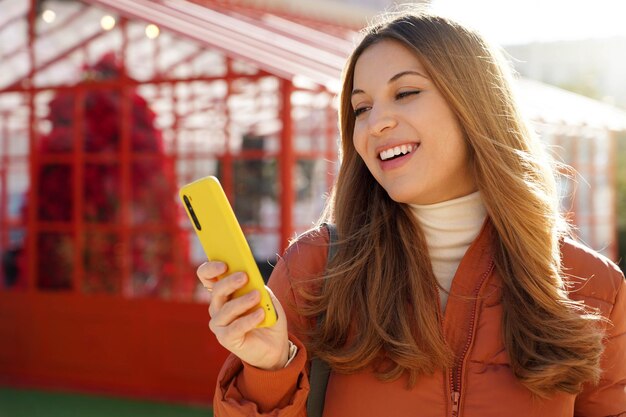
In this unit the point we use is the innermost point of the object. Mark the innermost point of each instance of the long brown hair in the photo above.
(380, 300)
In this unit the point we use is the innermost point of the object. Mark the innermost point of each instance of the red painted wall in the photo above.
(136, 348)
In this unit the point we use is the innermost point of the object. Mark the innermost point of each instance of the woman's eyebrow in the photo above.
(392, 79)
(403, 73)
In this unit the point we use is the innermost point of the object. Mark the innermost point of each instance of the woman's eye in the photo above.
(406, 94)
(359, 111)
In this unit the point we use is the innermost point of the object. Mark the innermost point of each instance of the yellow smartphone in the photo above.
(222, 239)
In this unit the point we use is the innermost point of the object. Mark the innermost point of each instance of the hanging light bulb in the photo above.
(48, 16)
(107, 22)
(152, 31)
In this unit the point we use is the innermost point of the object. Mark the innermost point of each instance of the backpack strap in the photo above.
(320, 370)
(332, 241)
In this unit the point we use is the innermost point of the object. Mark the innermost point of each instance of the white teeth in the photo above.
(398, 150)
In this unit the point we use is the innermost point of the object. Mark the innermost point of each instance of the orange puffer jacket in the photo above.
(482, 385)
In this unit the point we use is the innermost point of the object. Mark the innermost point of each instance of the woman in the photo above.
(454, 289)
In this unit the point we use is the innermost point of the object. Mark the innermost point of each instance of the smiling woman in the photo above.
(396, 106)
(441, 277)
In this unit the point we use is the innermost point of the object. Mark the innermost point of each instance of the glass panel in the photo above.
(56, 120)
(255, 186)
(565, 189)
(55, 200)
(102, 193)
(13, 126)
(311, 185)
(197, 255)
(14, 64)
(106, 45)
(13, 189)
(312, 121)
(264, 247)
(603, 196)
(155, 258)
(102, 121)
(154, 191)
(59, 47)
(604, 233)
(583, 200)
(244, 67)
(17, 176)
(12, 223)
(153, 183)
(141, 52)
(200, 117)
(55, 260)
(254, 111)
(103, 257)
(191, 169)
(12, 258)
(602, 149)
(564, 150)
(585, 147)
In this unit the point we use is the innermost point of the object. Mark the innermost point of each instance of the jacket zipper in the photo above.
(455, 375)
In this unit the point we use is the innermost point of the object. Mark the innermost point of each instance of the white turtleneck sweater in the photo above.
(450, 228)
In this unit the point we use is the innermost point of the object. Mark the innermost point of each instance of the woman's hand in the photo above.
(234, 324)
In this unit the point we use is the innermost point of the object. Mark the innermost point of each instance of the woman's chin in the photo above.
(401, 197)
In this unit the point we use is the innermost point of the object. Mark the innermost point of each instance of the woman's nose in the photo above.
(381, 120)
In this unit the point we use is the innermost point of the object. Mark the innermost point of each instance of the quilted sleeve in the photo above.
(608, 397)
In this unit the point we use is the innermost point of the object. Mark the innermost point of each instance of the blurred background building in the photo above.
(108, 106)
(591, 67)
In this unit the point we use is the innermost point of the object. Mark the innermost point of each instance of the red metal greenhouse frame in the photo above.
(227, 90)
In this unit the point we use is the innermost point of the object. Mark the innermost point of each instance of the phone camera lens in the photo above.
(192, 213)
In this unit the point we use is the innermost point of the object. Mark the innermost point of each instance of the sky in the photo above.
(521, 21)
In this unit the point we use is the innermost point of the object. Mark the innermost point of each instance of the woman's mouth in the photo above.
(397, 151)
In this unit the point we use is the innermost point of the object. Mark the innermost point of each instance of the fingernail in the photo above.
(241, 278)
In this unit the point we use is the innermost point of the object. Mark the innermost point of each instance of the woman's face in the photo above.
(404, 129)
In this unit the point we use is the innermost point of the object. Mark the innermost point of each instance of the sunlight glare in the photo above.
(513, 22)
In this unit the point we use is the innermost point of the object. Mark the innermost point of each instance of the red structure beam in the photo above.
(78, 168)
(31, 245)
(126, 162)
(286, 162)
